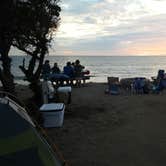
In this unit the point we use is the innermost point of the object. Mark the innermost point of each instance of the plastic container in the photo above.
(65, 89)
(53, 114)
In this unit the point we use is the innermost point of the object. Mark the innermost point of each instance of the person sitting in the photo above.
(78, 72)
(55, 69)
(56, 75)
(69, 71)
(160, 74)
(73, 64)
(46, 69)
(160, 82)
(138, 85)
(78, 69)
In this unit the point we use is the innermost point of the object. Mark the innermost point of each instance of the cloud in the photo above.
(110, 26)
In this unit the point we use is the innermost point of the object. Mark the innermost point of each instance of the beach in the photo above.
(117, 116)
(102, 130)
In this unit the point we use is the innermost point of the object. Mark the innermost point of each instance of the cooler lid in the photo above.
(52, 106)
(64, 89)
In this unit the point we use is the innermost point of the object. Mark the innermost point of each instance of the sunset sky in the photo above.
(111, 27)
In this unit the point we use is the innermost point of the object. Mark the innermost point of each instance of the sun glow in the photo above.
(148, 49)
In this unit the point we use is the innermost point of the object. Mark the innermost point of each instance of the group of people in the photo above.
(74, 69)
(158, 84)
(71, 70)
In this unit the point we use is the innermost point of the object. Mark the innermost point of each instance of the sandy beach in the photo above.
(105, 130)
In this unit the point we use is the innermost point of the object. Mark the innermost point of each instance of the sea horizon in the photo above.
(101, 67)
(96, 55)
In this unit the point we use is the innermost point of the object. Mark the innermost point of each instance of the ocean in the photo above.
(102, 67)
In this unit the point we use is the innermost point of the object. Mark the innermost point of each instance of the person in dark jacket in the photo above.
(78, 72)
(46, 69)
(68, 70)
(78, 69)
(55, 69)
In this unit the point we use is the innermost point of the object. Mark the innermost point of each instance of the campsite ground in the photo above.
(103, 130)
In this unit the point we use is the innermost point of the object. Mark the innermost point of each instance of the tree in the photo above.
(31, 27)
(38, 20)
(6, 37)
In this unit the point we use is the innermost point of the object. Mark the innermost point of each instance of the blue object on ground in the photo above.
(58, 76)
(139, 84)
(114, 89)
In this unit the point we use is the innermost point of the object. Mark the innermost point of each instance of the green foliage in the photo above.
(36, 21)
(27, 25)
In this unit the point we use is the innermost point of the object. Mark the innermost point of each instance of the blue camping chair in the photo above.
(113, 89)
(138, 85)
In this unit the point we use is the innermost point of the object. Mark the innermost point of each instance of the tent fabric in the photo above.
(21, 144)
(22, 158)
(7, 118)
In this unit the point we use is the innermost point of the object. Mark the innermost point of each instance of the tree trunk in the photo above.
(36, 88)
(34, 76)
(29, 72)
(35, 85)
(42, 55)
(6, 76)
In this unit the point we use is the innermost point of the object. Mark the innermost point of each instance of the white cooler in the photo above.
(53, 114)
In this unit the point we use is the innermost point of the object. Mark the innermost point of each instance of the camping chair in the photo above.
(138, 85)
(113, 85)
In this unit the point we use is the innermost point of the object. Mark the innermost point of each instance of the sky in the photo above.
(111, 27)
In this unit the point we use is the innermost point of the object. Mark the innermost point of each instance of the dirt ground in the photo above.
(105, 130)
